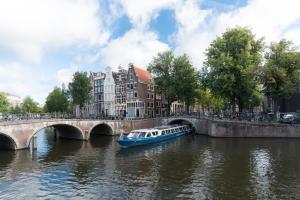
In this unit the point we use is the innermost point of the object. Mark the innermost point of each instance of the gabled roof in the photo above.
(142, 74)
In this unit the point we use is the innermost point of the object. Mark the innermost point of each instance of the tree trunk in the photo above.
(233, 105)
(168, 108)
(187, 105)
(240, 106)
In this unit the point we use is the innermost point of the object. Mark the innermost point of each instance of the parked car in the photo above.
(290, 118)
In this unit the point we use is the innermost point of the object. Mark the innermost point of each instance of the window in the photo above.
(163, 132)
(135, 94)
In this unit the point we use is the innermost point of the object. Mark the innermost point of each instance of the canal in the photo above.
(190, 167)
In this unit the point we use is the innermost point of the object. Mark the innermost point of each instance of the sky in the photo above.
(43, 42)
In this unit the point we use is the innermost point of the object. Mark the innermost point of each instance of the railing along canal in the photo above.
(244, 116)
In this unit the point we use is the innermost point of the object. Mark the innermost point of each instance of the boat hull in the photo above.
(129, 142)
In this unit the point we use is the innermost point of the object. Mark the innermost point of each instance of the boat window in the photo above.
(148, 134)
(173, 130)
(142, 134)
(154, 133)
(163, 132)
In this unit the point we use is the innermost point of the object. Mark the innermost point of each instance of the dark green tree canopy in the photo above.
(231, 67)
(185, 79)
(175, 76)
(56, 101)
(281, 72)
(80, 89)
(162, 67)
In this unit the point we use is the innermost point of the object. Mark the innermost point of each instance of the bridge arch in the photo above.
(63, 130)
(7, 142)
(101, 129)
(183, 121)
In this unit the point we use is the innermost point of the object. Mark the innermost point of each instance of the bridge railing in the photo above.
(32, 116)
(244, 116)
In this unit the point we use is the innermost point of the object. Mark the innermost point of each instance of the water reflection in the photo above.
(261, 173)
(189, 167)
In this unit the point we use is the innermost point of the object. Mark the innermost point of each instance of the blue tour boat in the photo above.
(153, 135)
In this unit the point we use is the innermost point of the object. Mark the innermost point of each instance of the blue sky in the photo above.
(43, 42)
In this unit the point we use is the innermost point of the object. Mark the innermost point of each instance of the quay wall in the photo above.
(218, 128)
(223, 128)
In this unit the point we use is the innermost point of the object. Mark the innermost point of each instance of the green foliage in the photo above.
(57, 101)
(207, 99)
(185, 80)
(175, 76)
(232, 65)
(162, 68)
(30, 106)
(4, 104)
(16, 110)
(80, 88)
(281, 72)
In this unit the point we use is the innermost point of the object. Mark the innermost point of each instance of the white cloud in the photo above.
(141, 12)
(22, 80)
(65, 75)
(135, 46)
(29, 27)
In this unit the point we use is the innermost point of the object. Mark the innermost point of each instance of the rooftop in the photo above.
(142, 74)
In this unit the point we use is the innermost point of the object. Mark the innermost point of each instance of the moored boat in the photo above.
(153, 135)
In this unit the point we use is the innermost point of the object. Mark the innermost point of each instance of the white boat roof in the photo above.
(157, 128)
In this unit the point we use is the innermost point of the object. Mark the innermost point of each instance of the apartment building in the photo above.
(97, 81)
(125, 93)
(109, 93)
(120, 78)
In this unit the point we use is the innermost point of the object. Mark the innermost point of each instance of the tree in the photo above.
(80, 89)
(175, 76)
(4, 104)
(16, 110)
(56, 101)
(30, 106)
(208, 100)
(232, 65)
(185, 80)
(162, 68)
(281, 73)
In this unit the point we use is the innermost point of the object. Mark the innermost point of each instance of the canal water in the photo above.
(189, 167)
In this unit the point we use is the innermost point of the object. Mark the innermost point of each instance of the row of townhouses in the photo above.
(126, 94)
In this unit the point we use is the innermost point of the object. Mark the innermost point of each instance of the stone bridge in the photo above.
(18, 135)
